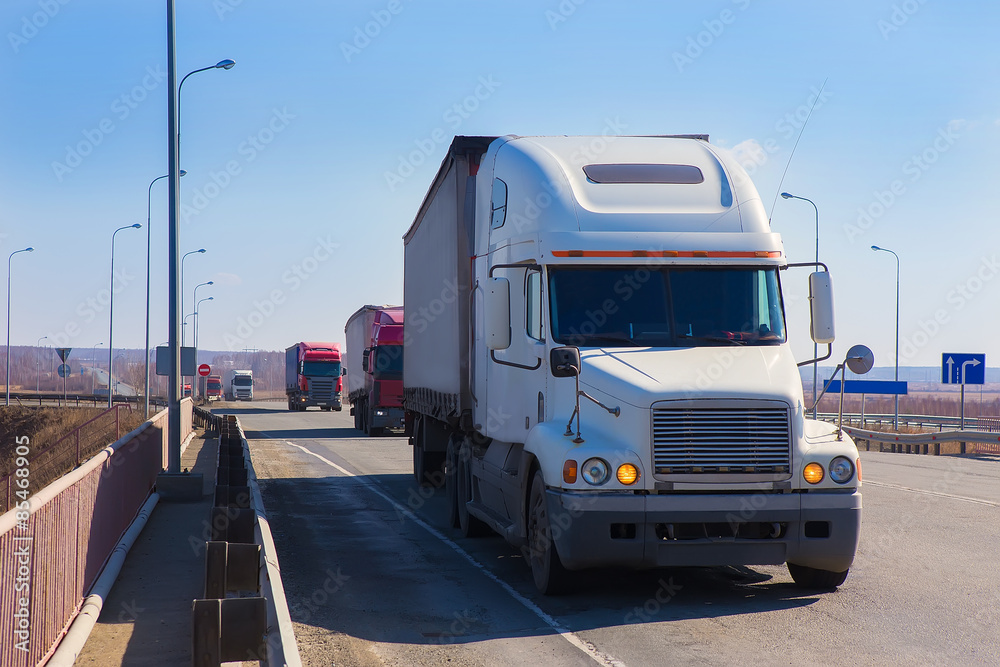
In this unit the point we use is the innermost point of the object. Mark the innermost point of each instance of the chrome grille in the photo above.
(321, 390)
(721, 439)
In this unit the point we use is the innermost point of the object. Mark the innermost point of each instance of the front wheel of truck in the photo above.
(551, 577)
(814, 579)
(470, 526)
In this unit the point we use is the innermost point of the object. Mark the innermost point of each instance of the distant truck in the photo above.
(374, 361)
(213, 388)
(239, 385)
(596, 349)
(313, 376)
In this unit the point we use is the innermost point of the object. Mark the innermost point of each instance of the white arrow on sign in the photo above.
(973, 362)
(951, 363)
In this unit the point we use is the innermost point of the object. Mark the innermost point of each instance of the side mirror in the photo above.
(364, 359)
(565, 362)
(343, 371)
(821, 327)
(860, 359)
(497, 310)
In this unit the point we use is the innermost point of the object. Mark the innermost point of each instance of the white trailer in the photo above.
(595, 350)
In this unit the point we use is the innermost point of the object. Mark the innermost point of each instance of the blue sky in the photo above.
(291, 154)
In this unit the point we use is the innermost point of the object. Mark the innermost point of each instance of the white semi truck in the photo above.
(596, 363)
(239, 385)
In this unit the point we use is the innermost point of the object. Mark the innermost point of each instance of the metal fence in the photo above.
(51, 555)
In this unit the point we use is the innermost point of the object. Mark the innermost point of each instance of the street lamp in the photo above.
(38, 372)
(787, 195)
(895, 419)
(222, 64)
(111, 316)
(29, 249)
(197, 318)
(202, 251)
(149, 195)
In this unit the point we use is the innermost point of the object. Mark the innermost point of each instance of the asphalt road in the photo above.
(374, 576)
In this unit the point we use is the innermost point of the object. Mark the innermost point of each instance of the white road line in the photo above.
(978, 501)
(588, 648)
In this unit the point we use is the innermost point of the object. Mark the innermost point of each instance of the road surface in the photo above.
(374, 576)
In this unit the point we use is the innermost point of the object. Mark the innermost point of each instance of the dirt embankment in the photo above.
(43, 428)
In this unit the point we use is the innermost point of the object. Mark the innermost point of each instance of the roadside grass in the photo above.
(43, 427)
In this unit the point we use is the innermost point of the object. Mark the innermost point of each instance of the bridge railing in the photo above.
(53, 548)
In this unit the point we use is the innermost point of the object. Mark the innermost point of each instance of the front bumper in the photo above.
(390, 417)
(814, 529)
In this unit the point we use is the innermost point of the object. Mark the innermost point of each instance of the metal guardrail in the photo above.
(925, 443)
(27, 399)
(990, 424)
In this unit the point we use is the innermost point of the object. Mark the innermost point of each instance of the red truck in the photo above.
(313, 376)
(374, 362)
(213, 389)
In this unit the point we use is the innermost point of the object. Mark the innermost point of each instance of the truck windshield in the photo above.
(321, 368)
(388, 362)
(242, 380)
(665, 306)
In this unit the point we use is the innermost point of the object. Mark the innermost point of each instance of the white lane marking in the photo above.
(586, 647)
(978, 501)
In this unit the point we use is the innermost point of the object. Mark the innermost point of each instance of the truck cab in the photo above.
(313, 376)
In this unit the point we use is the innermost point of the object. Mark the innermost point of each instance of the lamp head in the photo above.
(211, 298)
(786, 195)
(875, 247)
(183, 172)
(210, 282)
(225, 64)
(29, 249)
(201, 250)
(136, 226)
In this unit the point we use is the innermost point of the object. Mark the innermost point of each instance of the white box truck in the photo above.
(239, 385)
(596, 363)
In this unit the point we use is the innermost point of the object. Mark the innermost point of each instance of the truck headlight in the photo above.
(841, 470)
(595, 472)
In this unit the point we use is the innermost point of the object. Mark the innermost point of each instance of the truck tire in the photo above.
(468, 525)
(814, 579)
(551, 577)
(291, 406)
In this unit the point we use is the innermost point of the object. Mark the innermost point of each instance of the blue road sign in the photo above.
(963, 368)
(63, 370)
(868, 387)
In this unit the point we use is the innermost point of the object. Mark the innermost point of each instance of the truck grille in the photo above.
(321, 390)
(726, 437)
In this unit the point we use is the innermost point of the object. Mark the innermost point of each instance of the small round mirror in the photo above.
(860, 359)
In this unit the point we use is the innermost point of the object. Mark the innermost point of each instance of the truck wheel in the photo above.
(451, 482)
(291, 406)
(469, 525)
(551, 577)
(810, 577)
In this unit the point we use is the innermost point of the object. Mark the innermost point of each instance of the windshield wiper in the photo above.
(612, 338)
(714, 339)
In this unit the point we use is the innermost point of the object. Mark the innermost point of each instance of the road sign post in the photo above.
(963, 369)
(63, 353)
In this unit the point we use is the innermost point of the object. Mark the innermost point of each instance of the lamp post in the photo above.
(38, 371)
(29, 249)
(195, 298)
(787, 195)
(895, 418)
(193, 252)
(111, 316)
(222, 64)
(197, 318)
(149, 195)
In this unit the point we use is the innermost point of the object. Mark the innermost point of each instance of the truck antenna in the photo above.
(796, 145)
